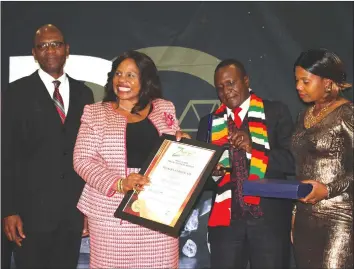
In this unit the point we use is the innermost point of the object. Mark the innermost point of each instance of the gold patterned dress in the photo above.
(323, 233)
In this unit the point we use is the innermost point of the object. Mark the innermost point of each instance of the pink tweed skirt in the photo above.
(126, 245)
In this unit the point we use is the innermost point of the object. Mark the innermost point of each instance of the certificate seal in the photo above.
(136, 206)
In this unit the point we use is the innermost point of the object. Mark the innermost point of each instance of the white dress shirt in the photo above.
(63, 88)
(242, 114)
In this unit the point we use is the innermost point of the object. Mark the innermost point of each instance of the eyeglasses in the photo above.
(52, 44)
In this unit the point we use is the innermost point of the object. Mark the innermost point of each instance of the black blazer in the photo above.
(280, 163)
(38, 179)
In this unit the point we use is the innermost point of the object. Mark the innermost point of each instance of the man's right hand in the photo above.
(13, 228)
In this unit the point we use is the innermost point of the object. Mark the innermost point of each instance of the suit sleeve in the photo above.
(10, 151)
(202, 136)
(202, 129)
(280, 157)
(87, 163)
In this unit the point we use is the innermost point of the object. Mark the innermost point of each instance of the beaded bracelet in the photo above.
(120, 185)
(118, 190)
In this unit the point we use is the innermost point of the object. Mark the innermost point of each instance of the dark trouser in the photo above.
(249, 240)
(6, 252)
(58, 249)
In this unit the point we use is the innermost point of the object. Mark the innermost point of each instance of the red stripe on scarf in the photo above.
(260, 156)
(225, 179)
(220, 214)
(222, 141)
(257, 125)
(220, 109)
(255, 97)
(253, 177)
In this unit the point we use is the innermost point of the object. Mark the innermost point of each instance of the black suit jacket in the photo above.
(280, 163)
(38, 179)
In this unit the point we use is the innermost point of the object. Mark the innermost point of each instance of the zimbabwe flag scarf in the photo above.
(221, 211)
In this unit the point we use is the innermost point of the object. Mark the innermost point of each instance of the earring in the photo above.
(328, 90)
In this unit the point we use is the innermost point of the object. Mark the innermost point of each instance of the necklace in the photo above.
(124, 108)
(310, 120)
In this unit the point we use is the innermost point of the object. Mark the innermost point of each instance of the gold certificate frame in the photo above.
(178, 172)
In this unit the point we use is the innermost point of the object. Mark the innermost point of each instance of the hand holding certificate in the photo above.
(177, 173)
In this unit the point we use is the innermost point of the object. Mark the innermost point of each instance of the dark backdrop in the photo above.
(266, 36)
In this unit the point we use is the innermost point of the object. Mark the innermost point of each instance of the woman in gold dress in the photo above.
(323, 149)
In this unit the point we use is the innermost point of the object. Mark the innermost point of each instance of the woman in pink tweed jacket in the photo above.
(114, 139)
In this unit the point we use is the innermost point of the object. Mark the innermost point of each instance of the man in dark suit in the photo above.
(247, 229)
(41, 116)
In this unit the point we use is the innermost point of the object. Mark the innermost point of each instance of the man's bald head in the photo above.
(47, 29)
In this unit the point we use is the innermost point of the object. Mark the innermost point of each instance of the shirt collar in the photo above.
(244, 106)
(48, 79)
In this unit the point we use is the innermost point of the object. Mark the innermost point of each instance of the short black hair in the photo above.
(322, 63)
(149, 79)
(234, 62)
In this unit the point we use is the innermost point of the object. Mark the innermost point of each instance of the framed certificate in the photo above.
(177, 172)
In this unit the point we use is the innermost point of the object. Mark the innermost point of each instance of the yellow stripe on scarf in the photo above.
(219, 135)
(259, 163)
(258, 130)
(256, 103)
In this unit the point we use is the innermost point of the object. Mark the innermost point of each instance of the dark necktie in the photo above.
(240, 166)
(58, 101)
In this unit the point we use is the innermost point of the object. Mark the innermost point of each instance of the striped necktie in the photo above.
(58, 101)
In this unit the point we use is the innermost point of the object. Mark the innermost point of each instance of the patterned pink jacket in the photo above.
(100, 153)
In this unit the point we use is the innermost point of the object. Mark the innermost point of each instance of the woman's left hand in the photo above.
(318, 193)
(180, 135)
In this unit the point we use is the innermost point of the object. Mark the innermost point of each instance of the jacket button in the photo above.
(62, 176)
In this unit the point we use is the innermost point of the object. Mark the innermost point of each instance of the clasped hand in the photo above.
(241, 140)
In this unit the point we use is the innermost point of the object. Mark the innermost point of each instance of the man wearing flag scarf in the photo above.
(256, 136)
